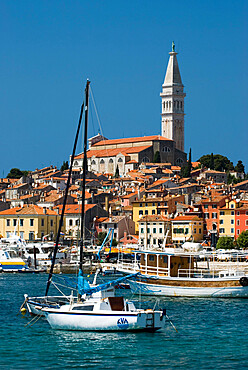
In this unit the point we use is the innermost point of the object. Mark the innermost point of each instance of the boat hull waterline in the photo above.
(114, 321)
(186, 291)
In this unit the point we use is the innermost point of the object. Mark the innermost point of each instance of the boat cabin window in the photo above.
(84, 308)
(6, 255)
(151, 257)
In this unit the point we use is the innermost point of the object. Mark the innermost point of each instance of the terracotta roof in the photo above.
(112, 152)
(27, 210)
(75, 208)
(187, 218)
(131, 140)
(153, 218)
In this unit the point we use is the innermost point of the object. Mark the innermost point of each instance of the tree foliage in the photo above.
(157, 158)
(186, 169)
(64, 166)
(216, 162)
(100, 238)
(242, 240)
(240, 168)
(225, 242)
(16, 173)
(117, 172)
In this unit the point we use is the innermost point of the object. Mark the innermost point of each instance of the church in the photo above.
(104, 155)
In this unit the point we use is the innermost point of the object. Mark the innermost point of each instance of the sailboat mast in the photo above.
(84, 175)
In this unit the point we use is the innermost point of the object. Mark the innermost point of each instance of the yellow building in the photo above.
(29, 222)
(187, 228)
(145, 207)
(227, 219)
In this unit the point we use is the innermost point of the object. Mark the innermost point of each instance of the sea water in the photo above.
(212, 334)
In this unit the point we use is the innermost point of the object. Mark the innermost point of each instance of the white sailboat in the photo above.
(95, 307)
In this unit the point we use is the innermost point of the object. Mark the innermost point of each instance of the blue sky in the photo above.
(49, 48)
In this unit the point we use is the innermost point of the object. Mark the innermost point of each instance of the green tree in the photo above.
(114, 243)
(15, 173)
(117, 172)
(100, 238)
(225, 242)
(157, 158)
(186, 169)
(221, 163)
(242, 240)
(211, 164)
(240, 168)
(64, 166)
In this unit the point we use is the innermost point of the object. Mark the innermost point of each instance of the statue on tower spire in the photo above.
(173, 46)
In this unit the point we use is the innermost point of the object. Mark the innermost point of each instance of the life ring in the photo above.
(243, 281)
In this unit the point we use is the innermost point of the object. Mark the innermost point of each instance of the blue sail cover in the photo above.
(85, 288)
(83, 284)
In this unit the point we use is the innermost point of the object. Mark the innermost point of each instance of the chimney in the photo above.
(44, 210)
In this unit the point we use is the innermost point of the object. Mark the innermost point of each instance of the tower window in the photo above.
(166, 149)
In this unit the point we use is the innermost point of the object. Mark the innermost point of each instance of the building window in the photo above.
(200, 231)
(205, 206)
(31, 236)
(140, 212)
(238, 232)
(42, 222)
(232, 205)
(148, 230)
(160, 230)
(14, 222)
(21, 222)
(246, 222)
(154, 241)
(146, 160)
(71, 223)
(120, 160)
(222, 213)
(115, 226)
(214, 206)
(232, 231)
(238, 222)
(194, 231)
(232, 213)
(51, 223)
(206, 215)
(238, 213)
(222, 231)
(140, 205)
(146, 212)
(187, 230)
(153, 212)
(31, 223)
(154, 230)
(8, 222)
(246, 213)
(142, 230)
(214, 215)
(221, 222)
(93, 162)
(232, 222)
(111, 160)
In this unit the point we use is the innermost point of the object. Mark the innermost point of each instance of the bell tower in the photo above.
(173, 103)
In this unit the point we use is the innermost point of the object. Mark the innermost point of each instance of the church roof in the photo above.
(130, 140)
(172, 76)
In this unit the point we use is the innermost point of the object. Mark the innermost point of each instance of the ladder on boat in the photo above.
(150, 319)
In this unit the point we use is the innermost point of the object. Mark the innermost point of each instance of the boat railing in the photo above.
(206, 273)
(147, 270)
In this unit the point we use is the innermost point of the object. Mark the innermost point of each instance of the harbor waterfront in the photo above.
(212, 333)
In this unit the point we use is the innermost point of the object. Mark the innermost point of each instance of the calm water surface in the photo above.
(212, 335)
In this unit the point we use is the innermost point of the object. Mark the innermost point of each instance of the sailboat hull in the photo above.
(108, 321)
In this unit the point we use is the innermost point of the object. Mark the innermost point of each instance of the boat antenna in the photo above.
(64, 202)
(81, 244)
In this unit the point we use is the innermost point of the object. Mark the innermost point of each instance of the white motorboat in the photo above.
(10, 261)
(177, 275)
(100, 310)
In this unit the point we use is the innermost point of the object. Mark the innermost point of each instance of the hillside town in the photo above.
(144, 188)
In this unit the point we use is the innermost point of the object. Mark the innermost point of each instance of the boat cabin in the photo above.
(164, 264)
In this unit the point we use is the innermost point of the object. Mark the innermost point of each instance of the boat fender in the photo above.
(243, 281)
(23, 311)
